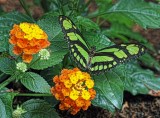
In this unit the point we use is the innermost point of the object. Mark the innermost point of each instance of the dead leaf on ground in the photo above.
(155, 93)
(125, 105)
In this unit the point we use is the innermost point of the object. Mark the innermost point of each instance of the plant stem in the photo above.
(13, 77)
(3, 76)
(6, 82)
(33, 62)
(33, 94)
(86, 5)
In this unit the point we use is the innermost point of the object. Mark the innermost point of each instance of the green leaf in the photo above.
(6, 101)
(87, 23)
(119, 18)
(141, 12)
(34, 82)
(50, 14)
(119, 29)
(50, 25)
(124, 33)
(52, 100)
(2, 110)
(130, 76)
(109, 88)
(6, 23)
(59, 43)
(136, 79)
(148, 60)
(50, 72)
(101, 101)
(55, 58)
(37, 108)
(7, 66)
(97, 39)
(105, 5)
(103, 1)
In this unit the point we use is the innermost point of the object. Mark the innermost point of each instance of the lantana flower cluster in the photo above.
(28, 39)
(74, 89)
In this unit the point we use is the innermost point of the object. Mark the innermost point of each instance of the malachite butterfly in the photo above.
(92, 60)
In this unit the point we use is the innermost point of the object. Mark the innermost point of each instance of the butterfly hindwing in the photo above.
(109, 57)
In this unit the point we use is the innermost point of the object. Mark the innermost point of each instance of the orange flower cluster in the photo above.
(74, 89)
(28, 39)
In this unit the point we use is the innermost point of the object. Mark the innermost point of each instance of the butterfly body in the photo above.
(92, 60)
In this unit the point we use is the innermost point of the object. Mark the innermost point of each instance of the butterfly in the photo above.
(92, 60)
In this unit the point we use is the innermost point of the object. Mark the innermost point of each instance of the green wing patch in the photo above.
(96, 61)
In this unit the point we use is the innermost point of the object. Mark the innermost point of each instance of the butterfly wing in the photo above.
(100, 60)
(77, 46)
(109, 57)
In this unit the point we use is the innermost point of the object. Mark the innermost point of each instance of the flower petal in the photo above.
(17, 50)
(27, 58)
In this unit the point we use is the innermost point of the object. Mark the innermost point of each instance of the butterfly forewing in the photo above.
(77, 46)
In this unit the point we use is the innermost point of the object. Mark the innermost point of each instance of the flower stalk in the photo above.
(32, 94)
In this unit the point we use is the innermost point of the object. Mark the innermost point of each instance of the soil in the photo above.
(139, 106)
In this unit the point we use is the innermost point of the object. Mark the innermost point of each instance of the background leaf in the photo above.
(136, 79)
(50, 25)
(141, 12)
(7, 65)
(6, 101)
(2, 110)
(130, 76)
(97, 39)
(34, 82)
(87, 23)
(126, 34)
(149, 61)
(37, 108)
(105, 5)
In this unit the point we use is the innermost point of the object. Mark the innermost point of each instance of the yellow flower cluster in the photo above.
(32, 31)
(28, 39)
(74, 89)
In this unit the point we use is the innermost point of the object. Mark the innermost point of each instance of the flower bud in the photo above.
(21, 66)
(18, 112)
(44, 54)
